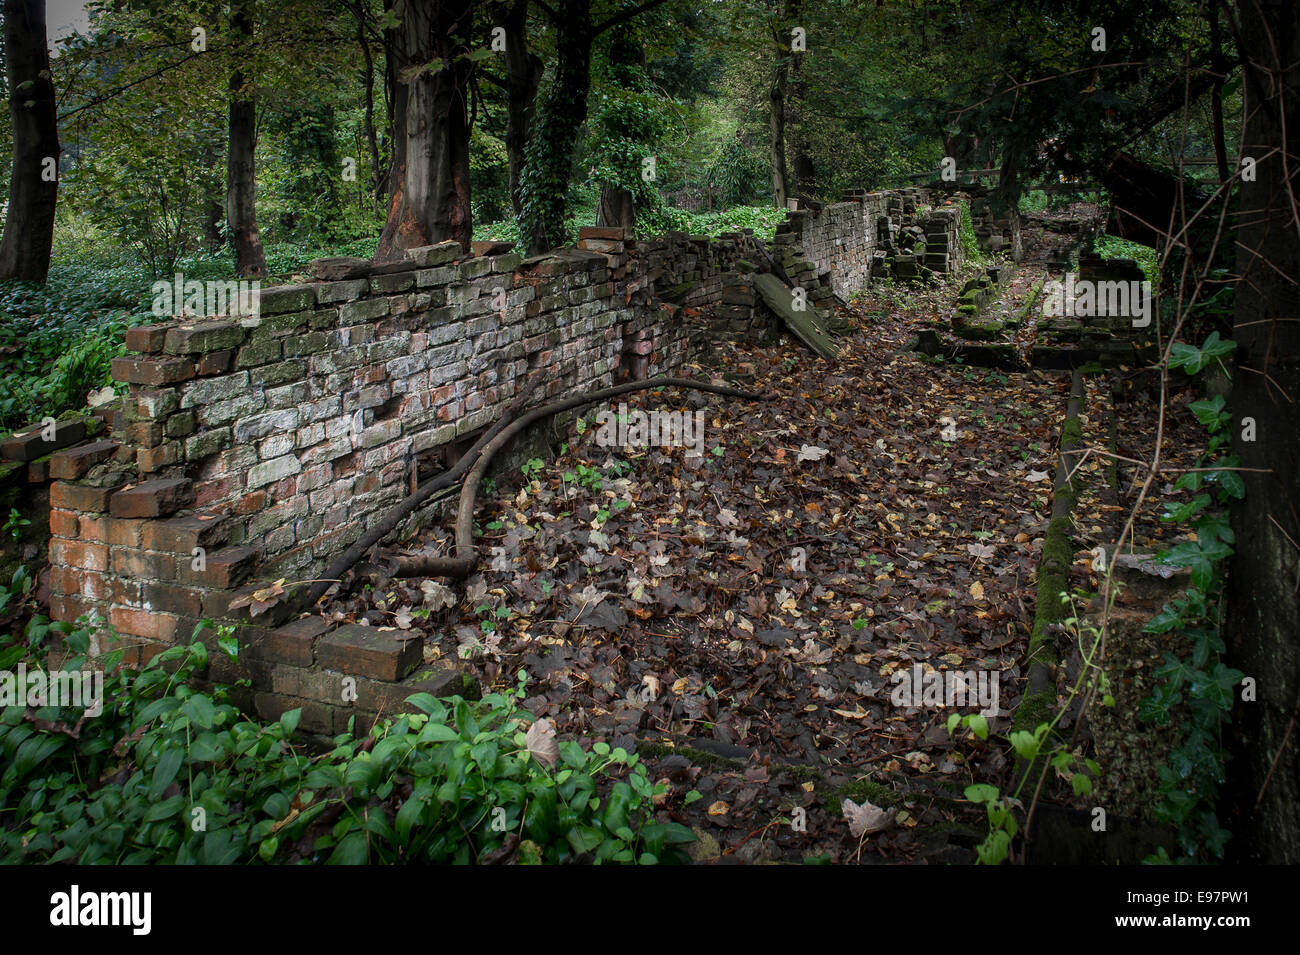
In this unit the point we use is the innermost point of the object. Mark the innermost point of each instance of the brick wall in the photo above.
(250, 449)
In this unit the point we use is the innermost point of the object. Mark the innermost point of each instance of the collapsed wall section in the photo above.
(254, 447)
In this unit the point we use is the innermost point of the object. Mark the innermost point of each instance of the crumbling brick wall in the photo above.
(252, 448)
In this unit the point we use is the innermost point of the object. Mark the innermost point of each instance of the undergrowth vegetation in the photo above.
(169, 773)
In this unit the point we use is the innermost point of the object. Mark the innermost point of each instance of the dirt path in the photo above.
(754, 603)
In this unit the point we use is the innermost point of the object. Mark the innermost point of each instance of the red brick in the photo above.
(144, 623)
(63, 524)
(223, 570)
(600, 232)
(209, 492)
(75, 462)
(38, 471)
(79, 554)
(149, 460)
(152, 371)
(316, 717)
(70, 582)
(123, 532)
(364, 651)
(80, 497)
(129, 592)
(293, 642)
(147, 434)
(94, 528)
(152, 499)
(147, 338)
(140, 564)
(216, 362)
(180, 535)
(180, 601)
(71, 608)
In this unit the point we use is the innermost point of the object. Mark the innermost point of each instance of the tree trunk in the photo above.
(430, 201)
(550, 149)
(1216, 93)
(523, 76)
(241, 184)
(803, 181)
(33, 184)
(378, 180)
(1264, 609)
(627, 61)
(617, 208)
(776, 119)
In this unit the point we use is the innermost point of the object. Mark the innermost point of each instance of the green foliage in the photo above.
(58, 340)
(966, 233)
(168, 774)
(1113, 247)
(1193, 681)
(738, 174)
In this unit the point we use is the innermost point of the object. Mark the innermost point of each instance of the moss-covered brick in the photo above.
(279, 373)
(203, 337)
(306, 344)
(278, 326)
(181, 424)
(429, 255)
(259, 353)
(426, 278)
(363, 311)
(285, 298)
(206, 444)
(389, 284)
(348, 291)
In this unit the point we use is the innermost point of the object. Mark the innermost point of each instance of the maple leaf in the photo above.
(260, 601)
(541, 742)
(810, 452)
(1035, 476)
(727, 518)
(403, 618)
(866, 818)
(980, 551)
(436, 595)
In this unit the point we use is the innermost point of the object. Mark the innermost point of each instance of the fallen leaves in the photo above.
(865, 819)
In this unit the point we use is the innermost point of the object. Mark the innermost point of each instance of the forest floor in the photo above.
(737, 617)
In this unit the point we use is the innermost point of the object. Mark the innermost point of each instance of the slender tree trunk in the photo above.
(550, 148)
(1216, 93)
(378, 180)
(804, 173)
(523, 76)
(33, 185)
(776, 118)
(1264, 607)
(430, 201)
(241, 183)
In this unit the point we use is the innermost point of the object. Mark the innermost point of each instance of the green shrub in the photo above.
(168, 773)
